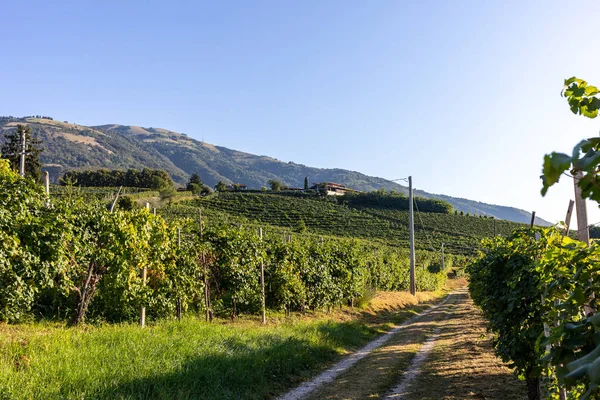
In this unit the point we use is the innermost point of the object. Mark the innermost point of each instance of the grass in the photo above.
(187, 359)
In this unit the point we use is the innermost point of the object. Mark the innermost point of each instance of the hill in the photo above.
(70, 146)
(325, 216)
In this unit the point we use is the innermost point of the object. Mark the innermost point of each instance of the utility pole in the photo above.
(583, 232)
(413, 285)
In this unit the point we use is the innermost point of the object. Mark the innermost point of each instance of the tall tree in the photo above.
(275, 185)
(12, 149)
(194, 180)
(221, 186)
(306, 183)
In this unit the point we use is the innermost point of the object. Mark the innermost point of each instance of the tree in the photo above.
(275, 185)
(13, 146)
(221, 186)
(205, 189)
(306, 183)
(167, 193)
(194, 188)
(194, 180)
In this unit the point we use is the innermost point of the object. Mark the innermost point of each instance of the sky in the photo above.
(464, 96)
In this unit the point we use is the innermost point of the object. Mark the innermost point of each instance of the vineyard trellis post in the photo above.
(262, 283)
(144, 273)
(47, 187)
(47, 183)
(532, 219)
(112, 206)
(413, 285)
(206, 290)
(583, 233)
(23, 153)
(568, 217)
(178, 304)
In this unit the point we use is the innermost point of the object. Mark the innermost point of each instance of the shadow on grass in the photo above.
(241, 371)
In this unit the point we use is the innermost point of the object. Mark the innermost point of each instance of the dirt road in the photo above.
(443, 353)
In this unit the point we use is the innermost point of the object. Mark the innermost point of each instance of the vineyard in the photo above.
(323, 216)
(72, 259)
(538, 288)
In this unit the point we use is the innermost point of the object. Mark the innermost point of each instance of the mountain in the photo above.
(70, 146)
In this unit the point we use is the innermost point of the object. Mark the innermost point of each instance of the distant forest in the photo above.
(146, 178)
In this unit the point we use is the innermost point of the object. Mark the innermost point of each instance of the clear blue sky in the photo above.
(463, 95)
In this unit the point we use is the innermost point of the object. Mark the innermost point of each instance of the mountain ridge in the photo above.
(71, 146)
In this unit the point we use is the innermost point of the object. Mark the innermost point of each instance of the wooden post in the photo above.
(154, 211)
(583, 233)
(568, 217)
(23, 152)
(413, 286)
(143, 309)
(532, 219)
(144, 274)
(112, 206)
(262, 284)
(178, 310)
(47, 183)
(562, 392)
(206, 292)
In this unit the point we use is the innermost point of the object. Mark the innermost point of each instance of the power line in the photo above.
(423, 225)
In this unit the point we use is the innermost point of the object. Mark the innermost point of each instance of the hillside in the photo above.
(324, 216)
(70, 146)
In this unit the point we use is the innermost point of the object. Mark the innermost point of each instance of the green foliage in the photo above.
(569, 272)
(145, 178)
(76, 260)
(221, 186)
(275, 185)
(194, 179)
(12, 148)
(324, 216)
(581, 97)
(381, 199)
(585, 157)
(126, 203)
(507, 287)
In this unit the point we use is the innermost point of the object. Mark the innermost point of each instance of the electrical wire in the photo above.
(423, 225)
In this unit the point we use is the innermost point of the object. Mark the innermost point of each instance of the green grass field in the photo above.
(182, 360)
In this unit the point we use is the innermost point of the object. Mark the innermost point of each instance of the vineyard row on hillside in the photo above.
(72, 259)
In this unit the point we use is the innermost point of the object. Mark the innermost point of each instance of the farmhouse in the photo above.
(331, 189)
(237, 187)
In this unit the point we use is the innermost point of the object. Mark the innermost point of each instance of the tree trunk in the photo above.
(533, 388)
(234, 312)
(84, 295)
